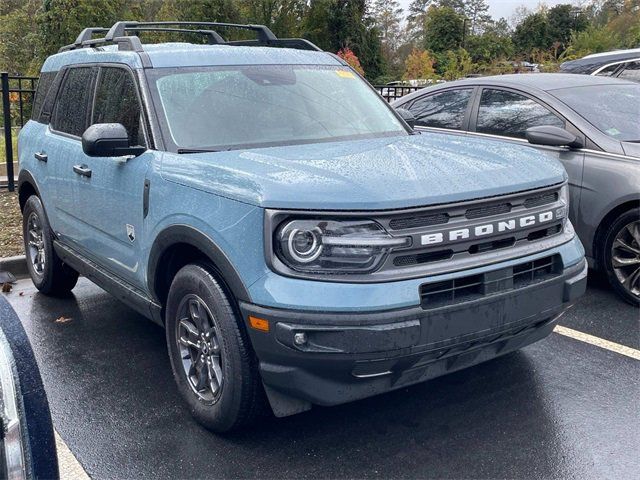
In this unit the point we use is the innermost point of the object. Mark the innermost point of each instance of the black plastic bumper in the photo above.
(331, 358)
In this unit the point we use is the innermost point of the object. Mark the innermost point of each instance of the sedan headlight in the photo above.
(334, 246)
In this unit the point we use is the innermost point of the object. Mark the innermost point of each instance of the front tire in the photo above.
(622, 255)
(48, 273)
(213, 364)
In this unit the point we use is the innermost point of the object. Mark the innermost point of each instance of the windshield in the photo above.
(612, 109)
(231, 107)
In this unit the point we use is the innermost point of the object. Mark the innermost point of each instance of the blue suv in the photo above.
(299, 242)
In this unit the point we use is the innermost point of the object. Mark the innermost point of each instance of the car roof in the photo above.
(539, 81)
(592, 62)
(165, 55)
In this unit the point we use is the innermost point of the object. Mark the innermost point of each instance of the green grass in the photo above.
(14, 141)
(10, 225)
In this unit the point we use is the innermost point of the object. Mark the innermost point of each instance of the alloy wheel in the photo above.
(625, 257)
(35, 243)
(198, 339)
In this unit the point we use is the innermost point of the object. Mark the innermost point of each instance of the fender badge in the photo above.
(131, 233)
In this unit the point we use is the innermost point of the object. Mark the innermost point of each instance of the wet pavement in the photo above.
(558, 408)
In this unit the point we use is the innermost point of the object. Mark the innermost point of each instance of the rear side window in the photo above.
(71, 114)
(509, 114)
(631, 71)
(117, 102)
(608, 70)
(44, 86)
(442, 110)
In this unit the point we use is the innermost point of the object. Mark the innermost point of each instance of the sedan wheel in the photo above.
(625, 257)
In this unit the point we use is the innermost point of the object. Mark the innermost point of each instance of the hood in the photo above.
(382, 173)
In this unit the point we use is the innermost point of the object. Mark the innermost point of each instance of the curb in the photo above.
(16, 265)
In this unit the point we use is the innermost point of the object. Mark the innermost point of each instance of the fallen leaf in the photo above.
(63, 319)
(6, 287)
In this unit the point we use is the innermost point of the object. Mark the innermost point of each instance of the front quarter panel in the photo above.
(608, 181)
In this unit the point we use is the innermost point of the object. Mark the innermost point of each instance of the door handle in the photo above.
(83, 170)
(41, 156)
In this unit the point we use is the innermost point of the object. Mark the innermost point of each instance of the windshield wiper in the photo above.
(196, 150)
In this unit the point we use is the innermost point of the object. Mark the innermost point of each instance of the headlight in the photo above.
(334, 246)
(563, 211)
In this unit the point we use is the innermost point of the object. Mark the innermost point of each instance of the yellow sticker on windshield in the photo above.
(345, 74)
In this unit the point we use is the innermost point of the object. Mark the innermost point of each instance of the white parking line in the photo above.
(70, 468)
(598, 342)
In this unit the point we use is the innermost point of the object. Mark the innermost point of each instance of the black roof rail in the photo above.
(298, 43)
(119, 29)
(85, 36)
(117, 34)
(214, 37)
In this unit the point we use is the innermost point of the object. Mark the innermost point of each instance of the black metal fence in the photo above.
(18, 93)
(393, 92)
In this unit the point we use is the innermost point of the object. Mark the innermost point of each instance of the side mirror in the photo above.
(407, 116)
(108, 140)
(552, 137)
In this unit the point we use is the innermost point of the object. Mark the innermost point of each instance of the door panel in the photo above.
(63, 147)
(110, 201)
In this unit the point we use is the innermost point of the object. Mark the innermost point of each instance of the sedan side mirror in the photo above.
(108, 140)
(553, 137)
(407, 116)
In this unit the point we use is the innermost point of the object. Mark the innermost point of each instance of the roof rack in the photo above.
(118, 35)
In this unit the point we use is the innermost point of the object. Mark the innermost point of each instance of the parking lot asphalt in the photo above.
(558, 408)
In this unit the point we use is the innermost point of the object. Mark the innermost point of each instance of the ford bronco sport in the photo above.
(298, 241)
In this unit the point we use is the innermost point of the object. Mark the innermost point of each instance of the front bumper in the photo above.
(349, 356)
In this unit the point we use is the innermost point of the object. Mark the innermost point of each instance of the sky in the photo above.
(503, 8)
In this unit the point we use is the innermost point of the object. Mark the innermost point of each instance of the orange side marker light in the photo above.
(259, 323)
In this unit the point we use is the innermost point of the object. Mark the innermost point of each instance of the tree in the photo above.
(592, 40)
(532, 34)
(458, 64)
(444, 29)
(19, 40)
(348, 56)
(417, 18)
(61, 21)
(563, 20)
(489, 47)
(284, 17)
(477, 13)
(339, 24)
(419, 65)
(387, 17)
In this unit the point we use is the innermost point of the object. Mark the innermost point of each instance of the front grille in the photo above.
(472, 287)
(539, 200)
(415, 259)
(488, 211)
(402, 223)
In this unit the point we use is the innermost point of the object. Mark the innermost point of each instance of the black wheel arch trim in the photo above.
(186, 234)
(25, 177)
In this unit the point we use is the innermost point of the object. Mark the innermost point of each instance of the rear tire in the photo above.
(621, 255)
(212, 361)
(48, 273)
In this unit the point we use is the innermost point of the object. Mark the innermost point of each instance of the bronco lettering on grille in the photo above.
(482, 230)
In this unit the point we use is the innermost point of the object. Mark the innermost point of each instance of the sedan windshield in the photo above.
(612, 109)
(224, 108)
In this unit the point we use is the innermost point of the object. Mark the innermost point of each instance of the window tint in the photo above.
(117, 102)
(44, 85)
(631, 72)
(72, 107)
(613, 109)
(509, 114)
(442, 110)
